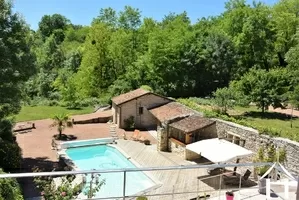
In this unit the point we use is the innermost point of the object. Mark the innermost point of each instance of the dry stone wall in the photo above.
(253, 141)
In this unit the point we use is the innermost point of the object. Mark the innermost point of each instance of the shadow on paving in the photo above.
(42, 163)
(65, 137)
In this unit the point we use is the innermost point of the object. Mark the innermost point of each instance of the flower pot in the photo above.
(229, 196)
(262, 185)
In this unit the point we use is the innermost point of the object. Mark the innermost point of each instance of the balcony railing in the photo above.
(170, 192)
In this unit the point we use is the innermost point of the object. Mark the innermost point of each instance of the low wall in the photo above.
(93, 120)
(254, 140)
(190, 155)
(177, 147)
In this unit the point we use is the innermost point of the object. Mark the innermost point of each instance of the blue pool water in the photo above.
(105, 157)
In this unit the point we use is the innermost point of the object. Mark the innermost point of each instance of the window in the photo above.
(234, 138)
(140, 110)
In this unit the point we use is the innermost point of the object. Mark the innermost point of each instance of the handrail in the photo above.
(62, 173)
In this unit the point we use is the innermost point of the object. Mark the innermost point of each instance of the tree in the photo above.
(95, 74)
(294, 100)
(224, 98)
(285, 21)
(292, 56)
(107, 16)
(50, 23)
(61, 121)
(17, 65)
(265, 88)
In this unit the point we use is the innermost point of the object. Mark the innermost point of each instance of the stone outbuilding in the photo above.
(192, 129)
(130, 110)
(178, 125)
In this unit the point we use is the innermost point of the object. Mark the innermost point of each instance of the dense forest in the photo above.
(118, 52)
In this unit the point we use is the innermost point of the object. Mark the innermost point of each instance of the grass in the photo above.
(271, 123)
(29, 113)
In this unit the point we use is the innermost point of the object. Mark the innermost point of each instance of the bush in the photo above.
(203, 101)
(141, 198)
(6, 133)
(147, 88)
(89, 102)
(9, 189)
(130, 122)
(10, 156)
(53, 103)
(55, 96)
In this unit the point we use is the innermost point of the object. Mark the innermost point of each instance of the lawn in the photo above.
(277, 122)
(29, 113)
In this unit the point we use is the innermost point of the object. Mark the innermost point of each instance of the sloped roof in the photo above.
(192, 123)
(170, 111)
(123, 98)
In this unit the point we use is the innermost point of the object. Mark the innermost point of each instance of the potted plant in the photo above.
(229, 195)
(268, 154)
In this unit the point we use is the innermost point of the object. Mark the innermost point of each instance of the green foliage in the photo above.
(16, 59)
(130, 122)
(10, 156)
(141, 198)
(294, 97)
(224, 98)
(9, 189)
(51, 23)
(65, 191)
(146, 87)
(265, 88)
(61, 121)
(270, 154)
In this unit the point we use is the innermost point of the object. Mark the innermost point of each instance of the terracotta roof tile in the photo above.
(192, 123)
(123, 98)
(170, 111)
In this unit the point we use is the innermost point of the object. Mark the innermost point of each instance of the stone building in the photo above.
(129, 110)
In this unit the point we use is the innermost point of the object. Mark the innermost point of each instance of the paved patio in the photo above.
(37, 150)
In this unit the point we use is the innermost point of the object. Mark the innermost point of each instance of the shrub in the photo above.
(130, 122)
(10, 156)
(269, 154)
(224, 98)
(9, 189)
(202, 101)
(141, 198)
(64, 191)
(53, 103)
(147, 88)
(89, 102)
(55, 96)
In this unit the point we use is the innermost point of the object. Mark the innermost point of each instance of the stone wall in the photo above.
(190, 155)
(177, 147)
(253, 141)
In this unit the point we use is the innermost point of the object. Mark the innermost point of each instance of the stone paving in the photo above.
(37, 150)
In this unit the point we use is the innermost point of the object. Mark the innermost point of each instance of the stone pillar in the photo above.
(162, 139)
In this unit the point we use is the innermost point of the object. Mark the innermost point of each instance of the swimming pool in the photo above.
(107, 157)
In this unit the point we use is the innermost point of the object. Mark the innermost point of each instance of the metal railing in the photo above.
(146, 169)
